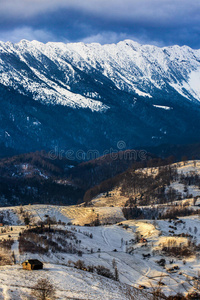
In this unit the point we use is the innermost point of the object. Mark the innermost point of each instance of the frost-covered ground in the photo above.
(108, 242)
(76, 214)
(114, 199)
(70, 283)
(136, 260)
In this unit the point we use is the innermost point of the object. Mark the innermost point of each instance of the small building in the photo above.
(32, 264)
(143, 240)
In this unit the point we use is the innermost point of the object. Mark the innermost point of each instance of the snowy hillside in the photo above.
(102, 252)
(135, 247)
(154, 189)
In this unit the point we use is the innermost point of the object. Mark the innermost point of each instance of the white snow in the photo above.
(70, 283)
(130, 66)
(108, 243)
(163, 107)
(143, 94)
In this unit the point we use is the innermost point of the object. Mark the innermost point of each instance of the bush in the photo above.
(103, 271)
(183, 251)
(43, 290)
(6, 244)
(79, 264)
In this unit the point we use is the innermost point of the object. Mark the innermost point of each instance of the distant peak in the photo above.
(24, 42)
(132, 43)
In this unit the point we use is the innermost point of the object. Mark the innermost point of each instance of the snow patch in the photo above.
(163, 107)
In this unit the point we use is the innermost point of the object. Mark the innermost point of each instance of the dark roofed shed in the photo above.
(32, 264)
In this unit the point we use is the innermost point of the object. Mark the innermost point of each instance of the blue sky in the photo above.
(162, 23)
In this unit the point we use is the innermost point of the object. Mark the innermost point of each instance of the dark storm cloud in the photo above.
(163, 22)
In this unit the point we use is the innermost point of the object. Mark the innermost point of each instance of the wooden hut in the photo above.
(32, 264)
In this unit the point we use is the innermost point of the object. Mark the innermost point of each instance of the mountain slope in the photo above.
(89, 97)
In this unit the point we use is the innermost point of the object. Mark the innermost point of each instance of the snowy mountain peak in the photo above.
(70, 94)
(138, 69)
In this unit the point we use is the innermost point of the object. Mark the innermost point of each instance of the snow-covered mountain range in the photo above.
(47, 71)
(68, 94)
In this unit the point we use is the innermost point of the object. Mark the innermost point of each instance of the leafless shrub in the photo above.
(43, 290)
(5, 259)
(103, 271)
(6, 244)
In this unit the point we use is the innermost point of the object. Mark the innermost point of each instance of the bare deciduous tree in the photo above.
(43, 290)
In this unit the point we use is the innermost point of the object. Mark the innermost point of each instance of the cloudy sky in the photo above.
(158, 22)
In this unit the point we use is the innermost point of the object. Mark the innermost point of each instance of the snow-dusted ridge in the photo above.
(39, 83)
(48, 71)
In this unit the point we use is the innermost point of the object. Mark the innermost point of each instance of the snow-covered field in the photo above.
(108, 242)
(70, 283)
(77, 215)
(115, 199)
(135, 246)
